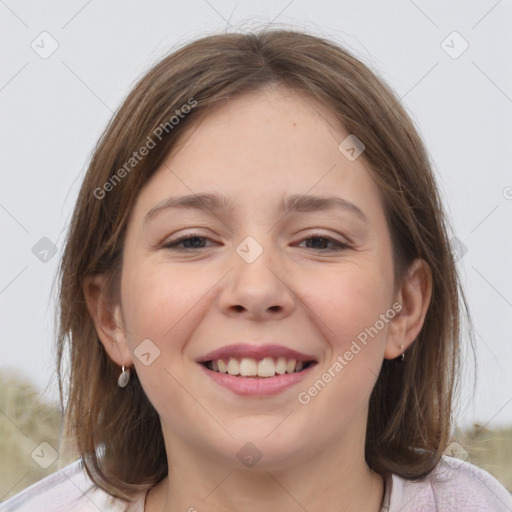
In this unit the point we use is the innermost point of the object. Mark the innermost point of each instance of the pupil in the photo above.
(194, 238)
(320, 242)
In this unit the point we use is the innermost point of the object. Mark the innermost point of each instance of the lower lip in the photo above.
(257, 386)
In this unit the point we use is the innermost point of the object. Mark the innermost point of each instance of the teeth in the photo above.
(266, 367)
(249, 367)
(290, 365)
(222, 367)
(281, 365)
(233, 367)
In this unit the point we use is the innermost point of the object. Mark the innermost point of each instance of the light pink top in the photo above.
(453, 486)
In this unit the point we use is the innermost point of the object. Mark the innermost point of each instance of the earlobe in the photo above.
(414, 297)
(107, 318)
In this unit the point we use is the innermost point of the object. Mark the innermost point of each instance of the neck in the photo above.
(336, 480)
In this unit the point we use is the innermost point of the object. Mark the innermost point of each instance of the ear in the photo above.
(108, 320)
(414, 298)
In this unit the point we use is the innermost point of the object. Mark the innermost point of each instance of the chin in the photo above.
(268, 440)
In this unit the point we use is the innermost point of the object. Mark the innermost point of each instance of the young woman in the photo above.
(258, 297)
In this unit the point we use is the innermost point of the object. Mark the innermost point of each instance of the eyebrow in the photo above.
(289, 204)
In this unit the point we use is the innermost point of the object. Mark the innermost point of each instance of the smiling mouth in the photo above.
(262, 368)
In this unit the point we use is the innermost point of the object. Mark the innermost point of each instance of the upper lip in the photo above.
(239, 350)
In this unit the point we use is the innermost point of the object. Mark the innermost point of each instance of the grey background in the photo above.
(53, 110)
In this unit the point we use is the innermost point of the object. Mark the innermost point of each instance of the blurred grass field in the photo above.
(29, 440)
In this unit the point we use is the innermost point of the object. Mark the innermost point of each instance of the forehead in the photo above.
(273, 116)
(261, 145)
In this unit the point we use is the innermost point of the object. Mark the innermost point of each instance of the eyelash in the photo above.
(173, 244)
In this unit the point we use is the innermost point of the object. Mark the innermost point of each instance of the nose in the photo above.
(257, 290)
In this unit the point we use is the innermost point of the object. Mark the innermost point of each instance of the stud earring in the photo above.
(123, 379)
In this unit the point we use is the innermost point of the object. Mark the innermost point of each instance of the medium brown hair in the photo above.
(117, 431)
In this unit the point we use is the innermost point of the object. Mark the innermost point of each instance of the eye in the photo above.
(191, 241)
(195, 241)
(338, 246)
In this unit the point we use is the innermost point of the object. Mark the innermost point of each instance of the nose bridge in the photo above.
(255, 262)
(256, 282)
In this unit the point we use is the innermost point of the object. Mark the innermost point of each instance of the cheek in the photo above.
(346, 305)
(349, 302)
(346, 313)
(162, 307)
(158, 299)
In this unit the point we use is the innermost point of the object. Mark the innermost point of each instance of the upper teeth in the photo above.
(248, 367)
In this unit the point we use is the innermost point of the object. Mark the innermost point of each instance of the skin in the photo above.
(298, 293)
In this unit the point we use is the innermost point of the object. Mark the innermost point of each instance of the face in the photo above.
(312, 279)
